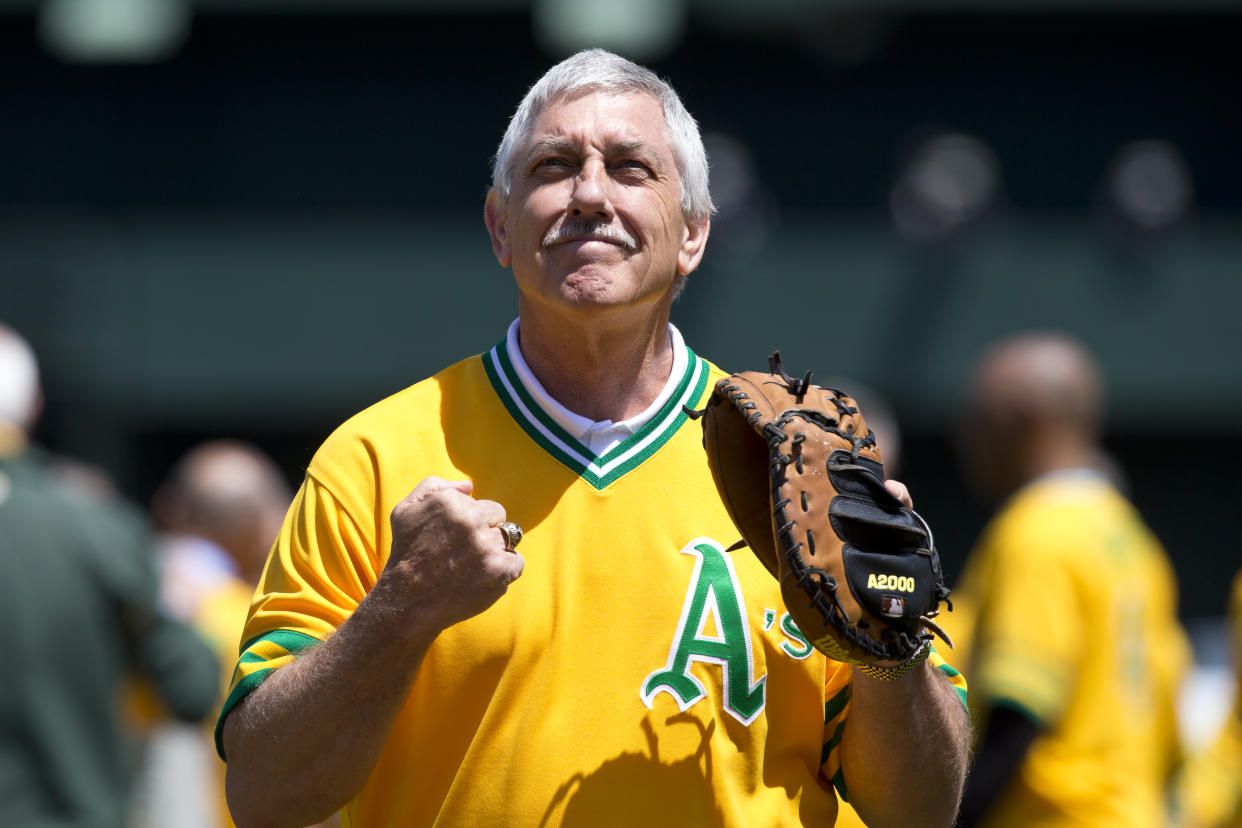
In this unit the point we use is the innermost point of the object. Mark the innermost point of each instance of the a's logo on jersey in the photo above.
(712, 630)
(796, 645)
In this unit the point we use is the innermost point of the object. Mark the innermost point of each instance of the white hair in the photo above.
(596, 70)
(19, 379)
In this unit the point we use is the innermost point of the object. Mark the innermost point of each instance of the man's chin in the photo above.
(594, 288)
(594, 295)
(590, 295)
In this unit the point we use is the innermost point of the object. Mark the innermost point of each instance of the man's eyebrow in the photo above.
(553, 144)
(639, 148)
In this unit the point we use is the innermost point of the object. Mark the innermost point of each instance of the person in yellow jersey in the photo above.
(405, 663)
(218, 510)
(1208, 791)
(1065, 615)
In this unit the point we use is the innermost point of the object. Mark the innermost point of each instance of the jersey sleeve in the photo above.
(320, 568)
(838, 694)
(951, 675)
(1029, 634)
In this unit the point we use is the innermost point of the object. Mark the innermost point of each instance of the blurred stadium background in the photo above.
(252, 218)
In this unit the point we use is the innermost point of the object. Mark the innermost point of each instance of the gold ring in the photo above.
(512, 533)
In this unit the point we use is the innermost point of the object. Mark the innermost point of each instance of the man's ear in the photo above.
(693, 244)
(494, 215)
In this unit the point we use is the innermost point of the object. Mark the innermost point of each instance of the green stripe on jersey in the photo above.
(1020, 708)
(832, 743)
(288, 640)
(947, 670)
(240, 691)
(286, 643)
(837, 703)
(599, 471)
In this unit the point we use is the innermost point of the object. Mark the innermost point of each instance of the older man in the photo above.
(404, 662)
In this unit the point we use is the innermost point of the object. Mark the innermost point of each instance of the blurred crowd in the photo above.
(121, 624)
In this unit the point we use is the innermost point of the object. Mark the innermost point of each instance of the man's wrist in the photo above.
(896, 672)
(388, 615)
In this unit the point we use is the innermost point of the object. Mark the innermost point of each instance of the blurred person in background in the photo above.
(1065, 616)
(78, 617)
(218, 512)
(1208, 791)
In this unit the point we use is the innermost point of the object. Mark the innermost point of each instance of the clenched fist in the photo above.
(448, 560)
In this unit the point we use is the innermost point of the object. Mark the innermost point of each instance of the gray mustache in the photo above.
(572, 230)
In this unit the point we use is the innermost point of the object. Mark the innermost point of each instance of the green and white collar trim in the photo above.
(529, 406)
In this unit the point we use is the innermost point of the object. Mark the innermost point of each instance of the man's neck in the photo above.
(596, 367)
(1057, 453)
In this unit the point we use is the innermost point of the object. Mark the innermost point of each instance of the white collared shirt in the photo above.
(597, 435)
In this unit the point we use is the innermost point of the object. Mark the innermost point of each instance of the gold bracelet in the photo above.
(894, 673)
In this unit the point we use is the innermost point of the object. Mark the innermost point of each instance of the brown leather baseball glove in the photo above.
(801, 476)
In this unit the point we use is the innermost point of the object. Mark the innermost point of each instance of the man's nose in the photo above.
(590, 195)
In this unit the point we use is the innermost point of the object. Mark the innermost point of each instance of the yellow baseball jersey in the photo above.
(636, 674)
(1209, 788)
(1067, 611)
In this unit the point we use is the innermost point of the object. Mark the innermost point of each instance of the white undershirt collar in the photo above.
(597, 435)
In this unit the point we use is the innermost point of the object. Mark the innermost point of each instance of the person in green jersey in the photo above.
(78, 618)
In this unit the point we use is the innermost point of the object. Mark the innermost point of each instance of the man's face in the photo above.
(989, 439)
(594, 220)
